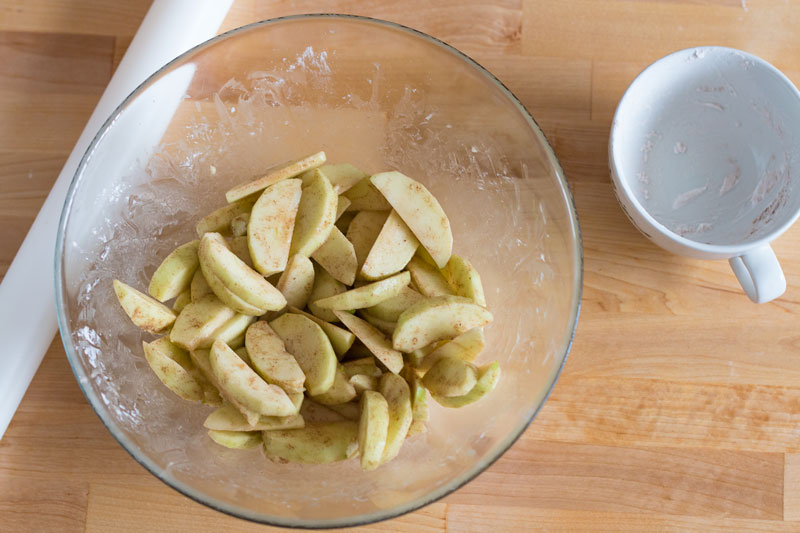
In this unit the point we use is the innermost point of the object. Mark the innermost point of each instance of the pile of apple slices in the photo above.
(316, 310)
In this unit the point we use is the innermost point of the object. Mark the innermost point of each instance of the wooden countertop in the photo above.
(679, 408)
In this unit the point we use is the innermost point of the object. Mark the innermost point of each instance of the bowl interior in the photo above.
(371, 93)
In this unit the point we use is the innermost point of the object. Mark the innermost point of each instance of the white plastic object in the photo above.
(27, 299)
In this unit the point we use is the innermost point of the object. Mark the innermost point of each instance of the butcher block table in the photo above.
(679, 407)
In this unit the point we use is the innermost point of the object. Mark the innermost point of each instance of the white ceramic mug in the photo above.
(705, 160)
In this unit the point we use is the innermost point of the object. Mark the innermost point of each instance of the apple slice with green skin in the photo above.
(428, 279)
(297, 281)
(174, 274)
(420, 210)
(342, 391)
(313, 444)
(183, 299)
(435, 319)
(392, 250)
(238, 278)
(384, 326)
(464, 279)
(147, 313)
(364, 196)
(398, 397)
(274, 175)
(366, 295)
(270, 359)
(310, 346)
(374, 340)
(362, 382)
(342, 176)
(341, 339)
(391, 309)
(324, 286)
(199, 286)
(238, 381)
(237, 440)
(226, 296)
(239, 225)
(341, 206)
(315, 216)
(337, 256)
(419, 402)
(220, 220)
(271, 225)
(465, 347)
(228, 418)
(365, 366)
(450, 377)
(488, 376)
(363, 230)
(373, 429)
(241, 249)
(172, 366)
(230, 331)
(416, 357)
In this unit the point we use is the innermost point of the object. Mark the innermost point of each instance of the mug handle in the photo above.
(759, 274)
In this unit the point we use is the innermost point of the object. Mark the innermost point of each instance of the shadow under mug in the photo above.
(704, 160)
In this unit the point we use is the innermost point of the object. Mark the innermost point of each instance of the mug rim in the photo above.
(624, 192)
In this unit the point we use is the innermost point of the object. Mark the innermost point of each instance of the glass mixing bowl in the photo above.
(378, 95)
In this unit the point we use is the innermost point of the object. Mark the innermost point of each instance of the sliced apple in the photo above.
(276, 174)
(398, 397)
(341, 339)
(465, 347)
(364, 366)
(271, 360)
(310, 346)
(384, 326)
(147, 313)
(464, 279)
(363, 230)
(271, 225)
(343, 221)
(450, 377)
(420, 210)
(313, 444)
(392, 250)
(239, 225)
(241, 249)
(199, 286)
(183, 299)
(362, 382)
(342, 176)
(198, 321)
(488, 376)
(337, 256)
(374, 340)
(237, 277)
(297, 281)
(366, 295)
(419, 402)
(228, 418)
(341, 206)
(434, 319)
(391, 309)
(428, 279)
(316, 215)
(174, 274)
(240, 382)
(324, 286)
(173, 367)
(315, 413)
(423, 254)
(230, 331)
(364, 196)
(220, 220)
(373, 429)
(242, 352)
(342, 391)
(238, 440)
(226, 296)
(348, 411)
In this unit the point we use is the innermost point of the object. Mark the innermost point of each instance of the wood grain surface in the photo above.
(679, 408)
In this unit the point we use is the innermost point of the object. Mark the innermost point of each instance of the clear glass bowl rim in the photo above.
(353, 521)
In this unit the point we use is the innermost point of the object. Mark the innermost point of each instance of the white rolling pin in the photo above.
(27, 298)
